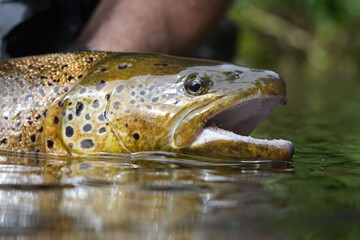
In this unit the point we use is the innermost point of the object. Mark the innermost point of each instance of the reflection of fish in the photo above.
(93, 102)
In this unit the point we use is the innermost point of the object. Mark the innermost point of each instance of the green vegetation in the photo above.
(315, 37)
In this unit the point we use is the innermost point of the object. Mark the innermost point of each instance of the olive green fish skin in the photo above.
(94, 102)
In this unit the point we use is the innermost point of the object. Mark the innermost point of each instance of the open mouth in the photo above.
(232, 126)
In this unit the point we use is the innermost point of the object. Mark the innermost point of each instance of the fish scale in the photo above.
(29, 86)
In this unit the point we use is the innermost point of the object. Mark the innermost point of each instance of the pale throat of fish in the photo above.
(236, 122)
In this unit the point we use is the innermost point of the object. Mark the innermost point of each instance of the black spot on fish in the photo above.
(87, 128)
(90, 60)
(64, 66)
(42, 92)
(4, 141)
(60, 104)
(122, 66)
(148, 107)
(100, 85)
(107, 97)
(160, 64)
(70, 78)
(21, 83)
(80, 76)
(71, 145)
(50, 144)
(40, 129)
(79, 108)
(56, 120)
(44, 113)
(70, 117)
(69, 131)
(136, 136)
(142, 93)
(102, 117)
(95, 103)
(132, 93)
(132, 101)
(127, 111)
(66, 89)
(154, 99)
(119, 88)
(15, 100)
(102, 130)
(37, 117)
(126, 125)
(56, 89)
(29, 97)
(103, 70)
(87, 116)
(86, 144)
(33, 137)
(140, 85)
(82, 90)
(117, 105)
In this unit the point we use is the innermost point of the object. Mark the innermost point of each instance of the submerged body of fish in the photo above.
(103, 102)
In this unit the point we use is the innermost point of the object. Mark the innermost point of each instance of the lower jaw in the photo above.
(217, 143)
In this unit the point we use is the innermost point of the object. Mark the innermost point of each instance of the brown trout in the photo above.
(95, 102)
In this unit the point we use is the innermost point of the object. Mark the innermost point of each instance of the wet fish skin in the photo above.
(93, 102)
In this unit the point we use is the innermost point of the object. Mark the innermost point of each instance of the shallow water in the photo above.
(317, 196)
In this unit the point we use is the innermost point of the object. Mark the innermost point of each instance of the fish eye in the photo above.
(194, 84)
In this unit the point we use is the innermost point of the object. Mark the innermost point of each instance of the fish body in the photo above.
(94, 102)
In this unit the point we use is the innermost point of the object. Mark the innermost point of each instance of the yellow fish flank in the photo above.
(103, 102)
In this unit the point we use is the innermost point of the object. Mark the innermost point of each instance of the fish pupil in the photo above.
(194, 86)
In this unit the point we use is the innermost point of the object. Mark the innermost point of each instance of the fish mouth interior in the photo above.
(244, 116)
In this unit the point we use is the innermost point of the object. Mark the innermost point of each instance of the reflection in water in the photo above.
(145, 197)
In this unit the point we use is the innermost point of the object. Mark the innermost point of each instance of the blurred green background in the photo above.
(316, 38)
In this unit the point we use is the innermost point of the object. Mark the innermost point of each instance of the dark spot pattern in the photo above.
(3, 141)
(117, 105)
(33, 137)
(95, 104)
(136, 136)
(155, 99)
(86, 144)
(132, 101)
(87, 116)
(87, 127)
(102, 117)
(29, 97)
(100, 85)
(70, 117)
(102, 130)
(79, 108)
(56, 120)
(119, 88)
(50, 144)
(160, 64)
(69, 131)
(82, 90)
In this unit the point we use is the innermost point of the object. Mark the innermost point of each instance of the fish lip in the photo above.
(212, 131)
